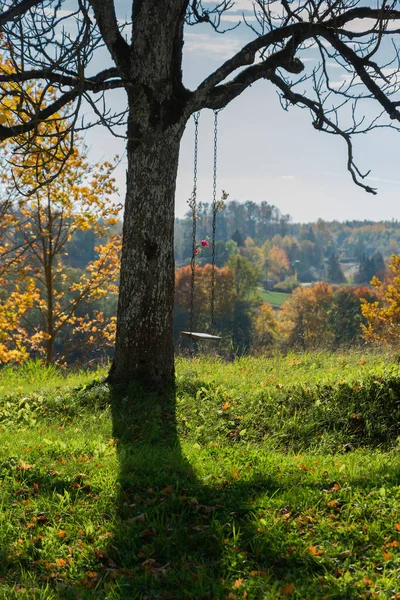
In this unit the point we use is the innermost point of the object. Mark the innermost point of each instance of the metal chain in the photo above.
(214, 220)
(193, 206)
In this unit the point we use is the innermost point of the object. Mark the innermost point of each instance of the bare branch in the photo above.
(18, 10)
(106, 18)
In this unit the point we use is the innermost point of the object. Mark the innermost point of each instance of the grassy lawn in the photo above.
(274, 298)
(259, 479)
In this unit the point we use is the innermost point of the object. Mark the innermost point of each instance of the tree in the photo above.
(44, 221)
(346, 318)
(278, 263)
(238, 238)
(265, 326)
(370, 267)
(245, 274)
(55, 42)
(335, 273)
(383, 315)
(304, 317)
(224, 293)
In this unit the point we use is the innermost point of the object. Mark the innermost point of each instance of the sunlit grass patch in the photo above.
(277, 478)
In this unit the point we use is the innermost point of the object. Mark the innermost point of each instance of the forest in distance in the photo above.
(278, 284)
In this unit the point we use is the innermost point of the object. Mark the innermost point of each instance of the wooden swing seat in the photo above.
(199, 336)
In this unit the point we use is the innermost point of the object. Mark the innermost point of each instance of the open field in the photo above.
(274, 298)
(259, 479)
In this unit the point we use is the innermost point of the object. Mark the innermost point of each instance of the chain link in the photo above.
(214, 220)
(193, 206)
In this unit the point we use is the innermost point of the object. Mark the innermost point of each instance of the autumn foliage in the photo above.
(45, 307)
(383, 315)
(304, 315)
(321, 316)
(224, 291)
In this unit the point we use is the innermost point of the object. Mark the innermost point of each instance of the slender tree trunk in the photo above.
(50, 316)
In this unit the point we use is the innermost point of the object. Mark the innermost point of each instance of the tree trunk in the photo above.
(157, 104)
(144, 347)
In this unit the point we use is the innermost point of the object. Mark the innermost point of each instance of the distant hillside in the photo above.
(264, 222)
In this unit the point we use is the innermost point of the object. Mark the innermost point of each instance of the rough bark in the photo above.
(144, 349)
(145, 310)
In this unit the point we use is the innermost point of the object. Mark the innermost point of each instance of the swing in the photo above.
(193, 205)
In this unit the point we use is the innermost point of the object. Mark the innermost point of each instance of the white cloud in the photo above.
(236, 18)
(220, 47)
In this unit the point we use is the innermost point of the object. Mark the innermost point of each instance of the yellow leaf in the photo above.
(226, 405)
(24, 467)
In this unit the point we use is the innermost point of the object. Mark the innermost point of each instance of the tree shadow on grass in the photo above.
(176, 536)
(179, 538)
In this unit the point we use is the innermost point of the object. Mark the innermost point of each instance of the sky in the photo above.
(266, 153)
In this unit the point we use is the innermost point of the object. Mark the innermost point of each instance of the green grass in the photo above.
(277, 478)
(276, 299)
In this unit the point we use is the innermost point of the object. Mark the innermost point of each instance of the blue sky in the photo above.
(268, 154)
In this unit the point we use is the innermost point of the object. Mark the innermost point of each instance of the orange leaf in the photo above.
(397, 526)
(226, 405)
(332, 503)
(288, 589)
(62, 534)
(235, 473)
(61, 562)
(314, 550)
(387, 555)
(238, 583)
(91, 574)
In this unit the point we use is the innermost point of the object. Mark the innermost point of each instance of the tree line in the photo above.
(288, 252)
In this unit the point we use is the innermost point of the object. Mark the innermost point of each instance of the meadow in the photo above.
(276, 299)
(263, 478)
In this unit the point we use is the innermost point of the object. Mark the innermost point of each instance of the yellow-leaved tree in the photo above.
(383, 315)
(303, 321)
(51, 309)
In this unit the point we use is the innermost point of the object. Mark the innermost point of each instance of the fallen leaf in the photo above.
(314, 550)
(24, 467)
(238, 583)
(288, 589)
(91, 574)
(61, 562)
